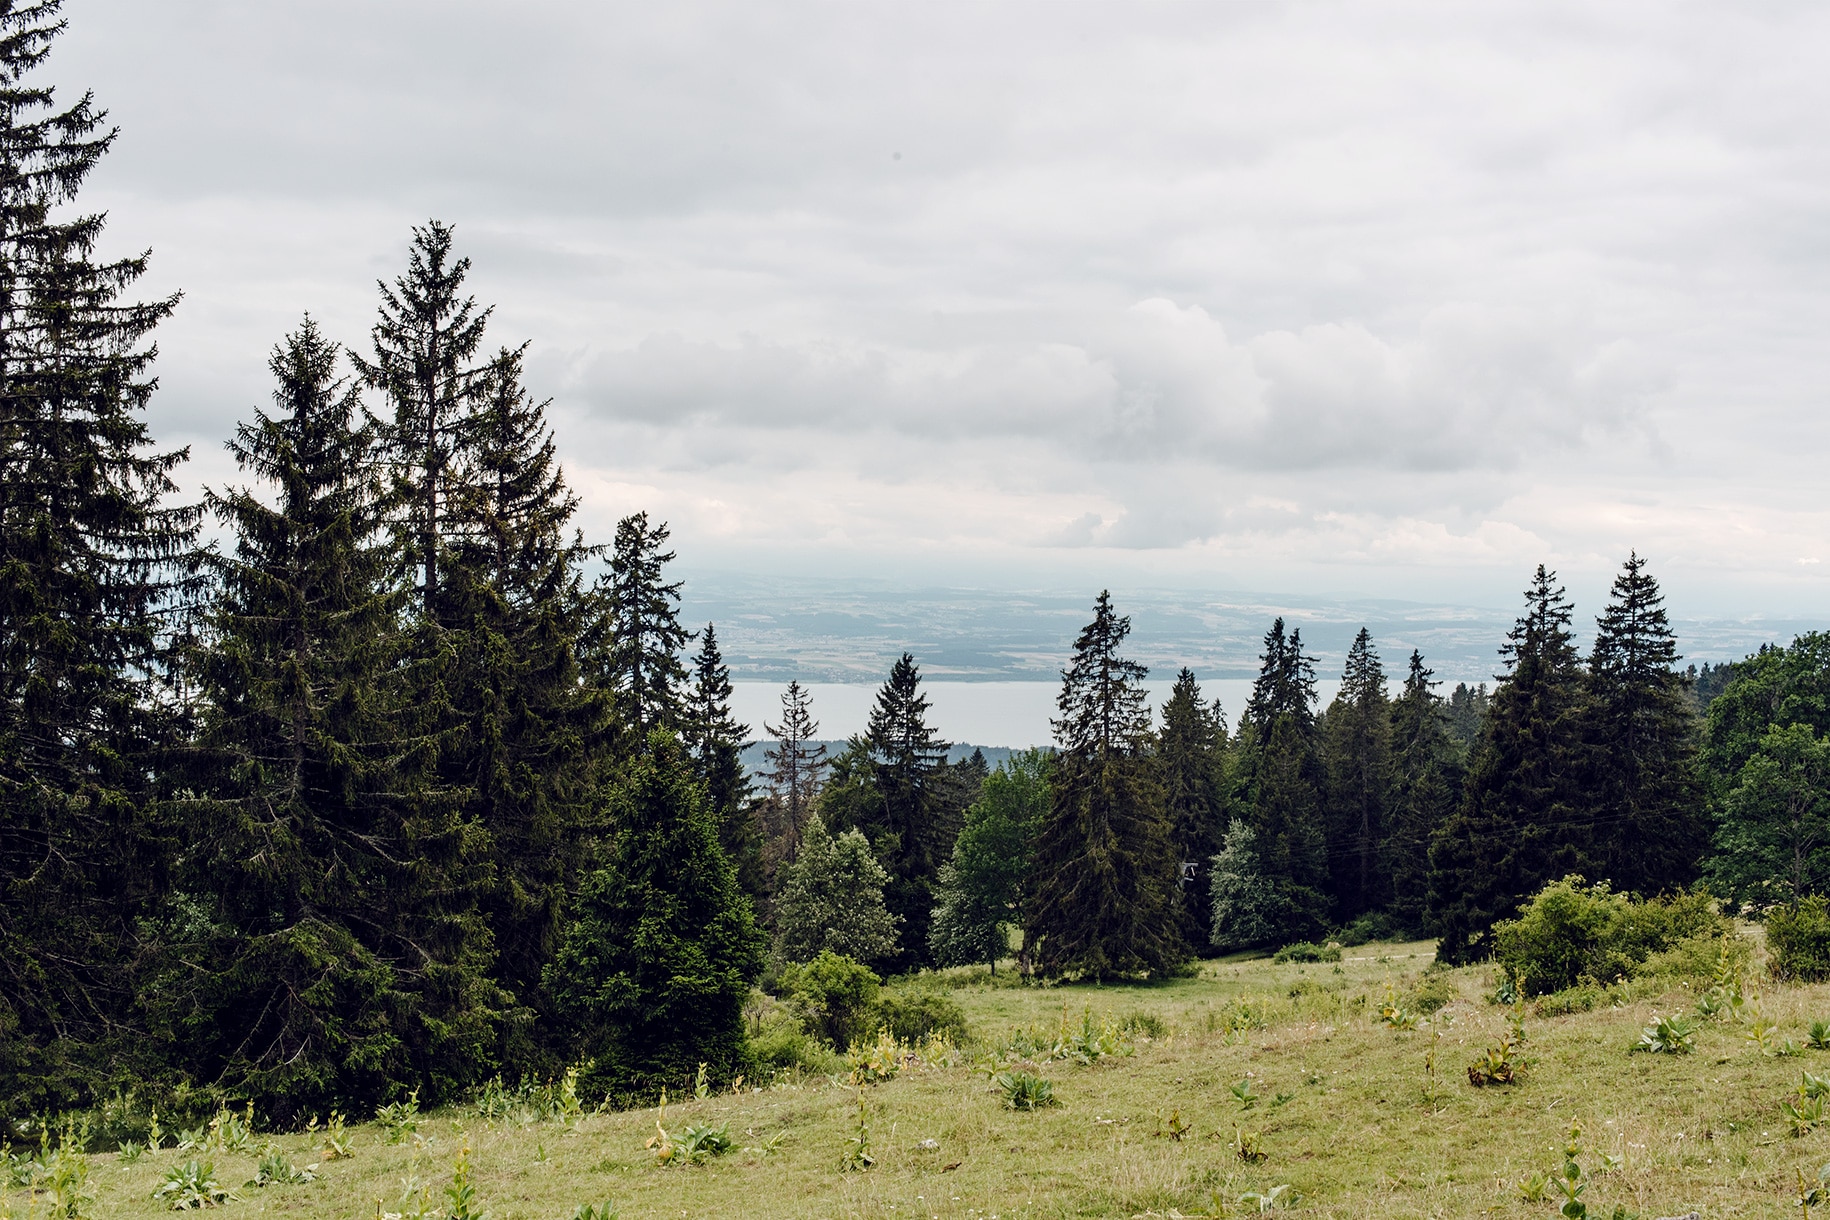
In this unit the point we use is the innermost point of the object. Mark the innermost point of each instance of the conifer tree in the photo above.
(1285, 686)
(292, 994)
(714, 741)
(1648, 805)
(797, 768)
(658, 959)
(981, 890)
(829, 899)
(1426, 777)
(635, 648)
(1525, 818)
(427, 366)
(1356, 752)
(1190, 754)
(527, 738)
(916, 828)
(1249, 907)
(93, 558)
(1105, 870)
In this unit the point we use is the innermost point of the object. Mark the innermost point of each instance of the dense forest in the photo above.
(372, 774)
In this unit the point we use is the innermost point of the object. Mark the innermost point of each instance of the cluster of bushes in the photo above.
(824, 1006)
(1798, 940)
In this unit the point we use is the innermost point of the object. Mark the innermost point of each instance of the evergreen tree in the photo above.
(1190, 753)
(291, 993)
(1276, 781)
(1356, 752)
(526, 738)
(981, 890)
(797, 767)
(1249, 907)
(830, 899)
(1773, 840)
(1647, 803)
(1105, 870)
(93, 558)
(1525, 818)
(658, 959)
(1426, 778)
(637, 643)
(426, 364)
(714, 741)
(1467, 712)
(917, 828)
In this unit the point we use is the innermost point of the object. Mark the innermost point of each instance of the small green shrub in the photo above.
(1144, 1025)
(1433, 993)
(191, 1186)
(915, 1014)
(834, 997)
(1668, 1036)
(1374, 925)
(276, 1170)
(779, 1043)
(1025, 1090)
(1305, 951)
(1571, 932)
(399, 1119)
(1798, 941)
(1583, 998)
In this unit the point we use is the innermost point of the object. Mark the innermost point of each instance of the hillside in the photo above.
(1340, 1113)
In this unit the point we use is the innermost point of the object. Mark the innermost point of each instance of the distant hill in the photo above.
(753, 761)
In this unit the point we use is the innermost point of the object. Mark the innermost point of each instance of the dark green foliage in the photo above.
(1775, 686)
(829, 898)
(1356, 753)
(282, 980)
(1426, 778)
(1250, 908)
(982, 889)
(1524, 819)
(1467, 712)
(715, 740)
(1798, 940)
(1307, 951)
(1570, 932)
(1101, 905)
(92, 557)
(656, 964)
(633, 649)
(1772, 839)
(1191, 761)
(797, 769)
(1707, 681)
(911, 1012)
(834, 996)
(1647, 804)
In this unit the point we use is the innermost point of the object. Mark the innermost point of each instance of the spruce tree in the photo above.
(427, 366)
(290, 994)
(527, 739)
(797, 768)
(662, 946)
(1356, 753)
(1105, 870)
(1525, 818)
(1190, 754)
(917, 827)
(93, 561)
(829, 899)
(714, 741)
(1648, 804)
(981, 890)
(635, 647)
(1426, 777)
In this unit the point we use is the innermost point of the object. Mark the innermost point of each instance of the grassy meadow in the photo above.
(1339, 1104)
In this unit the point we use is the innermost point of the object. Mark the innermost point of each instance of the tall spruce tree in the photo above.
(93, 558)
(1356, 755)
(636, 645)
(528, 738)
(1426, 778)
(714, 741)
(1190, 755)
(918, 826)
(1650, 829)
(662, 947)
(797, 768)
(1276, 780)
(1525, 818)
(1105, 870)
(286, 989)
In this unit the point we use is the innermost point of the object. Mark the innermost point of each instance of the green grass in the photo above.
(1354, 1135)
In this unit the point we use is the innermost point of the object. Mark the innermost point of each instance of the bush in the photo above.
(835, 998)
(1434, 992)
(912, 1014)
(1304, 951)
(778, 1043)
(1374, 925)
(1570, 932)
(1798, 941)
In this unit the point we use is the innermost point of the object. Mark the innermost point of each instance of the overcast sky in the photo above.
(1390, 299)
